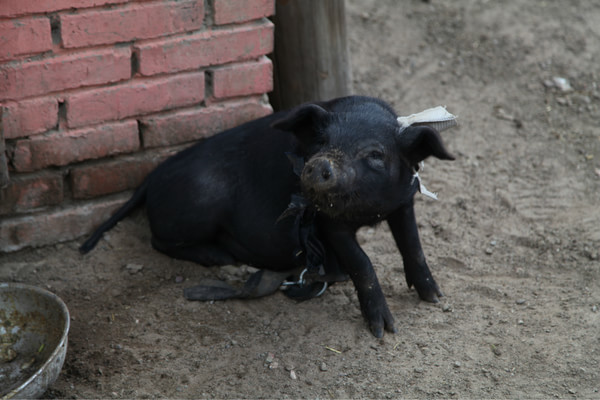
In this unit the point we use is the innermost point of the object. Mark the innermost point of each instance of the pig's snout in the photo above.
(319, 174)
(327, 180)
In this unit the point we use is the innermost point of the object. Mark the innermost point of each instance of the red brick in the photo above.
(25, 193)
(13, 8)
(54, 226)
(95, 67)
(28, 117)
(66, 147)
(112, 176)
(231, 12)
(24, 36)
(243, 79)
(134, 98)
(192, 124)
(203, 49)
(124, 24)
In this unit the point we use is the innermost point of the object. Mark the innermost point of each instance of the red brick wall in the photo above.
(95, 93)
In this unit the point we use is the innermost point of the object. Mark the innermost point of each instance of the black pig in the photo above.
(225, 200)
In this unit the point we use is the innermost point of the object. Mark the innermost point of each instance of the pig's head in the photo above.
(358, 162)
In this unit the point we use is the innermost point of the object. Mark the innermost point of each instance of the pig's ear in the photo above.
(303, 120)
(419, 142)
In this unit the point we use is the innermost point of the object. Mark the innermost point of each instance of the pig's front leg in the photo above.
(356, 263)
(404, 228)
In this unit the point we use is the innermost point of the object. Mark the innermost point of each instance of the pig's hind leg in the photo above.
(206, 254)
(186, 222)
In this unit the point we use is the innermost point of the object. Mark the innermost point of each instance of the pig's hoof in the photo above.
(377, 329)
(420, 278)
(429, 291)
(381, 320)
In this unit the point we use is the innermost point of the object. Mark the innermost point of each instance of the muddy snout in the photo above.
(324, 178)
(319, 174)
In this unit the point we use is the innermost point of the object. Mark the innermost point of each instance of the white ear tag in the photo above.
(439, 119)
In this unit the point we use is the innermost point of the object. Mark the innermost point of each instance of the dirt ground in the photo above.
(513, 241)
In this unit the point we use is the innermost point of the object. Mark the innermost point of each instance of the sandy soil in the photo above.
(513, 241)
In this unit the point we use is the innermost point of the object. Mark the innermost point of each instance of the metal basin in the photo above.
(34, 324)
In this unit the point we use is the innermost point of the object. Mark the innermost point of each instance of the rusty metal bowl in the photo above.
(34, 324)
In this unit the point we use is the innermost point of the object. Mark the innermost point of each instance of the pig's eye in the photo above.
(376, 155)
(376, 159)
